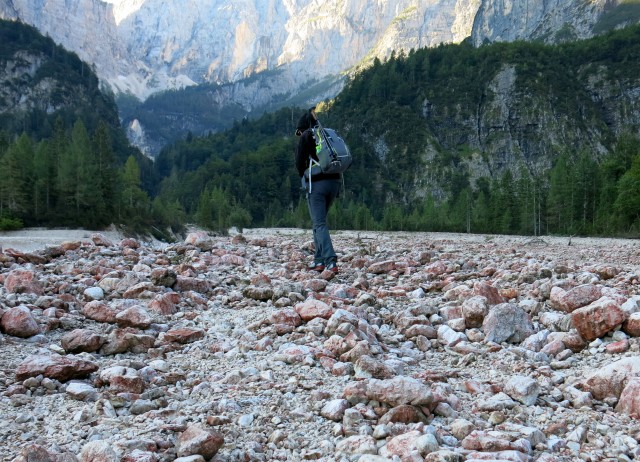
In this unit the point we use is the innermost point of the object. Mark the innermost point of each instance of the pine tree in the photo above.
(15, 172)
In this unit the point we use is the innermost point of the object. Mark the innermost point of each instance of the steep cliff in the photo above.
(142, 46)
(40, 81)
(551, 20)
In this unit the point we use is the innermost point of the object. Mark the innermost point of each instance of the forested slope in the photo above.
(504, 138)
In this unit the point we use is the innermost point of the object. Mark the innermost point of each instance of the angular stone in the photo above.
(507, 322)
(629, 402)
(165, 304)
(399, 390)
(54, 366)
(572, 299)
(523, 389)
(21, 281)
(163, 277)
(358, 444)
(474, 310)
(183, 335)
(286, 316)
(597, 319)
(610, 380)
(403, 446)
(101, 240)
(99, 311)
(135, 316)
(632, 325)
(313, 308)
(405, 414)
(79, 340)
(367, 367)
(82, 391)
(382, 267)
(199, 440)
(489, 292)
(199, 239)
(334, 409)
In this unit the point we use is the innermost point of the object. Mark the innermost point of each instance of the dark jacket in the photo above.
(307, 147)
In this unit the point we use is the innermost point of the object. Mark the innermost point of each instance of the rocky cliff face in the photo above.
(549, 20)
(143, 46)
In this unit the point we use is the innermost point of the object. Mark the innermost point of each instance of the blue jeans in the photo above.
(322, 195)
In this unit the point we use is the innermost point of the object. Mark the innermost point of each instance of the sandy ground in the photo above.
(30, 239)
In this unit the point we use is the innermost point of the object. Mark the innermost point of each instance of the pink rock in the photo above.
(101, 240)
(135, 316)
(489, 292)
(234, 260)
(127, 383)
(199, 239)
(130, 243)
(165, 304)
(57, 367)
(632, 325)
(316, 285)
(381, 267)
(595, 320)
(617, 347)
(79, 340)
(183, 335)
(163, 277)
(35, 453)
(609, 381)
(399, 390)
(197, 440)
(140, 456)
(99, 311)
(403, 446)
(437, 268)
(138, 290)
(71, 245)
(474, 310)
(369, 367)
(286, 317)
(479, 440)
(405, 413)
(19, 322)
(98, 451)
(313, 308)
(607, 272)
(127, 339)
(198, 285)
(574, 298)
(21, 281)
(629, 402)
(553, 348)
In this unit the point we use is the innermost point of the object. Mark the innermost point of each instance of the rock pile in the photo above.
(425, 347)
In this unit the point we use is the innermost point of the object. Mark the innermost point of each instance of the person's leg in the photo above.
(320, 199)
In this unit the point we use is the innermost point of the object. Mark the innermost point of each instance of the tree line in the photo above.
(71, 179)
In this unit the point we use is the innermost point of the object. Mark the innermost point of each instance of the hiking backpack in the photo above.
(332, 152)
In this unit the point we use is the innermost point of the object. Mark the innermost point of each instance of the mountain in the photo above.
(255, 56)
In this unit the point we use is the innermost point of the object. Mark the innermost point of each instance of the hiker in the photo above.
(326, 187)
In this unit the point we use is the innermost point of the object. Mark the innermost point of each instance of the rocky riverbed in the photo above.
(424, 347)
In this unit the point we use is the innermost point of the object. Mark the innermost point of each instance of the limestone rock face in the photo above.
(549, 20)
(143, 46)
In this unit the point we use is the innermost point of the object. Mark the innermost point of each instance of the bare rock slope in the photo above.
(425, 347)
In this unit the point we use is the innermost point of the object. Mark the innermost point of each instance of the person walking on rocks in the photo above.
(326, 188)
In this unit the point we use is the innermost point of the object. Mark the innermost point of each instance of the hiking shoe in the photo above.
(316, 267)
(333, 267)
